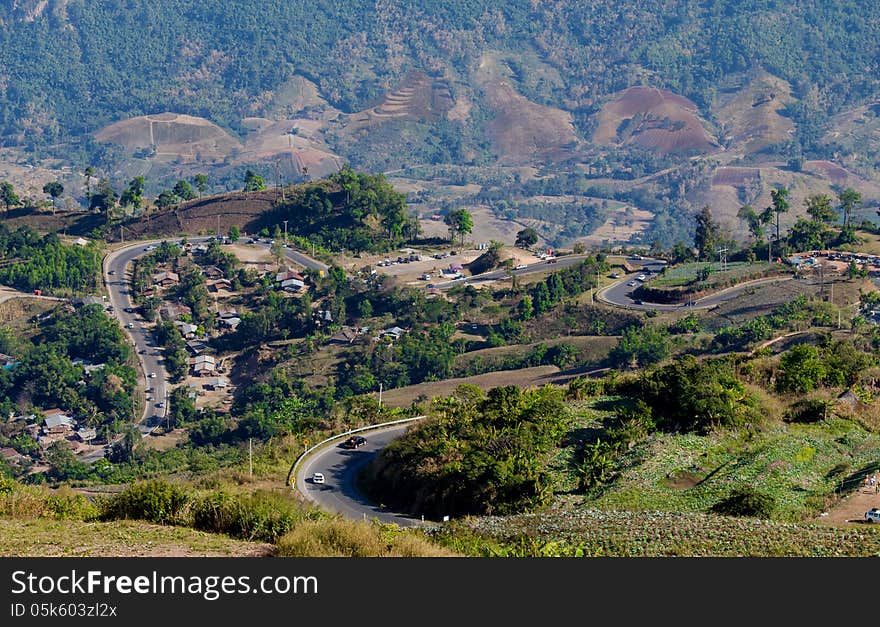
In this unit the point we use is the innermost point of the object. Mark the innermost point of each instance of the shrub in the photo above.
(345, 538)
(65, 504)
(807, 410)
(746, 501)
(259, 516)
(154, 501)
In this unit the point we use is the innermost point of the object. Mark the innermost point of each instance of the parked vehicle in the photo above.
(318, 477)
(873, 515)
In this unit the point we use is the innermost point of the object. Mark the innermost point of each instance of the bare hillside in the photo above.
(172, 134)
(655, 119)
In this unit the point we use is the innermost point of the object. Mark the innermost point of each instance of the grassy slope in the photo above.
(657, 503)
(39, 537)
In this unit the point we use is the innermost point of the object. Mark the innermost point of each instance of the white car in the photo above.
(641, 277)
(873, 515)
(318, 477)
(520, 266)
(152, 375)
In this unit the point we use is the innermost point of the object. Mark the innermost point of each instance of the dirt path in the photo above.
(851, 510)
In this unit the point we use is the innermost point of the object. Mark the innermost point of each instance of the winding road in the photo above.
(155, 376)
(340, 467)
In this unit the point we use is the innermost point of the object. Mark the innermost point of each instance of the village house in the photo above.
(217, 383)
(166, 279)
(345, 335)
(173, 311)
(230, 323)
(196, 347)
(227, 312)
(187, 330)
(86, 434)
(288, 274)
(212, 272)
(203, 365)
(292, 285)
(219, 284)
(13, 457)
(393, 332)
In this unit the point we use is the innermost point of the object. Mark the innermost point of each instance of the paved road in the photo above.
(618, 294)
(294, 255)
(117, 281)
(539, 266)
(340, 468)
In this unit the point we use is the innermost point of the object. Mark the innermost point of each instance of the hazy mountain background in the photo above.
(595, 121)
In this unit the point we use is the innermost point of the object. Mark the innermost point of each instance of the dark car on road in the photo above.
(354, 441)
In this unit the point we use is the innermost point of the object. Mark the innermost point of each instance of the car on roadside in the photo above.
(520, 266)
(873, 515)
(318, 477)
(152, 375)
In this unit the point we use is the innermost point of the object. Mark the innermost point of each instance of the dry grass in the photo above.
(524, 378)
(125, 538)
(345, 538)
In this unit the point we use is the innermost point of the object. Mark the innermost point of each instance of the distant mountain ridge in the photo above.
(75, 66)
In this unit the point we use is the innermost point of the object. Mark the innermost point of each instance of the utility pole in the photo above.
(251, 456)
(218, 225)
(380, 395)
(285, 232)
(121, 235)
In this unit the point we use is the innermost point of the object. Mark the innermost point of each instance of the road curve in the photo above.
(493, 275)
(618, 294)
(340, 467)
(117, 282)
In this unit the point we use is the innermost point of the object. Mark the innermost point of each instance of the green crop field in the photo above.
(687, 273)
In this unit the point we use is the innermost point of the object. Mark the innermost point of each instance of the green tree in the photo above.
(849, 202)
(526, 238)
(234, 233)
(54, 189)
(819, 208)
(748, 215)
(460, 222)
(707, 234)
(166, 199)
(802, 369)
(184, 190)
(104, 199)
(8, 195)
(88, 173)
(133, 195)
(253, 182)
(746, 501)
(778, 205)
(201, 183)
